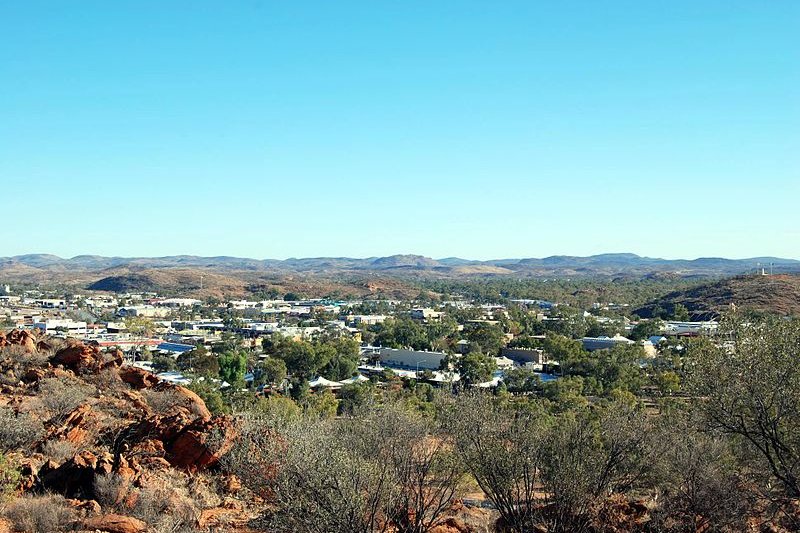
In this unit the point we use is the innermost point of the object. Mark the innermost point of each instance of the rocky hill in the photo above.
(773, 294)
(130, 454)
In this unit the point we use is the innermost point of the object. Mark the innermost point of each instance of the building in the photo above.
(523, 356)
(425, 313)
(367, 320)
(411, 359)
(504, 363)
(67, 326)
(179, 302)
(690, 328)
(142, 310)
(604, 343)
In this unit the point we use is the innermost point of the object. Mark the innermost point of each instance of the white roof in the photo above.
(489, 384)
(322, 382)
(355, 379)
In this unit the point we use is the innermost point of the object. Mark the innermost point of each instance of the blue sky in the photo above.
(472, 129)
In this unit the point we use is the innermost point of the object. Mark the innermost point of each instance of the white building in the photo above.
(412, 359)
(604, 343)
(67, 326)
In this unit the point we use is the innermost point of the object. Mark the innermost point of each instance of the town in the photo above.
(457, 343)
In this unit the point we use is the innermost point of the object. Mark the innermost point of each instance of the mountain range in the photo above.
(611, 264)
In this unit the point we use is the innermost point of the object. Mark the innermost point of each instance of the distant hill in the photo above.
(404, 261)
(613, 265)
(775, 294)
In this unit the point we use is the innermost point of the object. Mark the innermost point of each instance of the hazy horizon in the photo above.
(434, 257)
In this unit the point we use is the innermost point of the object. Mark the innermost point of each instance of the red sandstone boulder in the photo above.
(74, 478)
(82, 358)
(138, 378)
(79, 426)
(202, 443)
(114, 523)
(19, 337)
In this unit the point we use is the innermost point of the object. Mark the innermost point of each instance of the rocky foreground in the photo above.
(93, 445)
(108, 437)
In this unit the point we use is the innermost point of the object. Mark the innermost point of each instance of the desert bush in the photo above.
(36, 514)
(107, 380)
(542, 470)
(15, 362)
(9, 477)
(163, 400)
(388, 468)
(61, 395)
(110, 491)
(18, 431)
(701, 484)
(59, 450)
(165, 505)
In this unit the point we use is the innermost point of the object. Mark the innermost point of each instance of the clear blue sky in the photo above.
(477, 129)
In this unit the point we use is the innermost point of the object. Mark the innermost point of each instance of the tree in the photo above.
(271, 371)
(475, 368)
(749, 380)
(563, 349)
(646, 329)
(550, 471)
(140, 326)
(232, 367)
(680, 312)
(200, 361)
(303, 360)
(489, 337)
(521, 379)
(210, 395)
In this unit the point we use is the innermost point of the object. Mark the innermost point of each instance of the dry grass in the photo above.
(37, 514)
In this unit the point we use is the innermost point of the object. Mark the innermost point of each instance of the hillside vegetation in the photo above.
(778, 294)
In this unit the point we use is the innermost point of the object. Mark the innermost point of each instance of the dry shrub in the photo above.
(18, 431)
(61, 395)
(204, 491)
(111, 490)
(59, 450)
(36, 514)
(15, 362)
(108, 381)
(165, 503)
(163, 400)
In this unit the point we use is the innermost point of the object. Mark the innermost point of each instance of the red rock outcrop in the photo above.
(78, 428)
(74, 478)
(138, 378)
(19, 337)
(114, 523)
(202, 443)
(82, 358)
